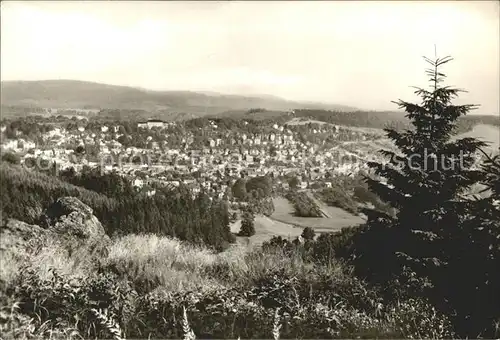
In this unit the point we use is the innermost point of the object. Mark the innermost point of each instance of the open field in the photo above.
(265, 229)
(284, 212)
(284, 223)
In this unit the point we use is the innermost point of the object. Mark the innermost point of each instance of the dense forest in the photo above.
(395, 120)
(120, 208)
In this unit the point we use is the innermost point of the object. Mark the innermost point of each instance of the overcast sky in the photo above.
(363, 54)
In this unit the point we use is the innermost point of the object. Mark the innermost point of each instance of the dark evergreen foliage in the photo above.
(304, 205)
(261, 184)
(239, 190)
(308, 233)
(121, 210)
(247, 224)
(441, 243)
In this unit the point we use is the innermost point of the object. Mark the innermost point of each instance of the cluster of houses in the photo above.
(208, 167)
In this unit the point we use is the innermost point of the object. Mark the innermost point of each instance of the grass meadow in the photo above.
(334, 220)
(158, 287)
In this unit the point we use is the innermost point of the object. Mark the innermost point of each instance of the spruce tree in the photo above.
(419, 248)
(475, 260)
(247, 224)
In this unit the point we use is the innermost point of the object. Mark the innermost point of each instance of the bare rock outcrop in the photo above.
(69, 217)
(68, 220)
(15, 235)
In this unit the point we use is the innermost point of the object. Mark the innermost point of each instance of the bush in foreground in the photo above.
(304, 308)
(247, 294)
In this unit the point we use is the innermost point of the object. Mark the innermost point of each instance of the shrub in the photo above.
(247, 225)
(308, 234)
(11, 158)
(62, 302)
(264, 206)
(337, 197)
(259, 294)
(304, 205)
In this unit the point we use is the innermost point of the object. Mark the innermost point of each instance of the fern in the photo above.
(276, 325)
(188, 332)
(109, 323)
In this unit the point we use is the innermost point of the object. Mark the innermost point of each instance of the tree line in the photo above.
(120, 208)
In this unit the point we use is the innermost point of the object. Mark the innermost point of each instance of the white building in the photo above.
(153, 123)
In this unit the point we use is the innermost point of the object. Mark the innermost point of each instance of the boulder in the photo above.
(15, 235)
(68, 220)
(70, 217)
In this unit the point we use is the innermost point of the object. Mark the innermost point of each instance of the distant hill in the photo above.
(393, 119)
(70, 94)
(362, 119)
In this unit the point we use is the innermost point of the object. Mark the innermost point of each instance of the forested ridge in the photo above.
(120, 208)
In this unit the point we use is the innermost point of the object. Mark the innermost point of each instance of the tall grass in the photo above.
(45, 256)
(148, 286)
(159, 262)
(155, 262)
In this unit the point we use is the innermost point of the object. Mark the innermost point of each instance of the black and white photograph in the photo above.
(250, 170)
